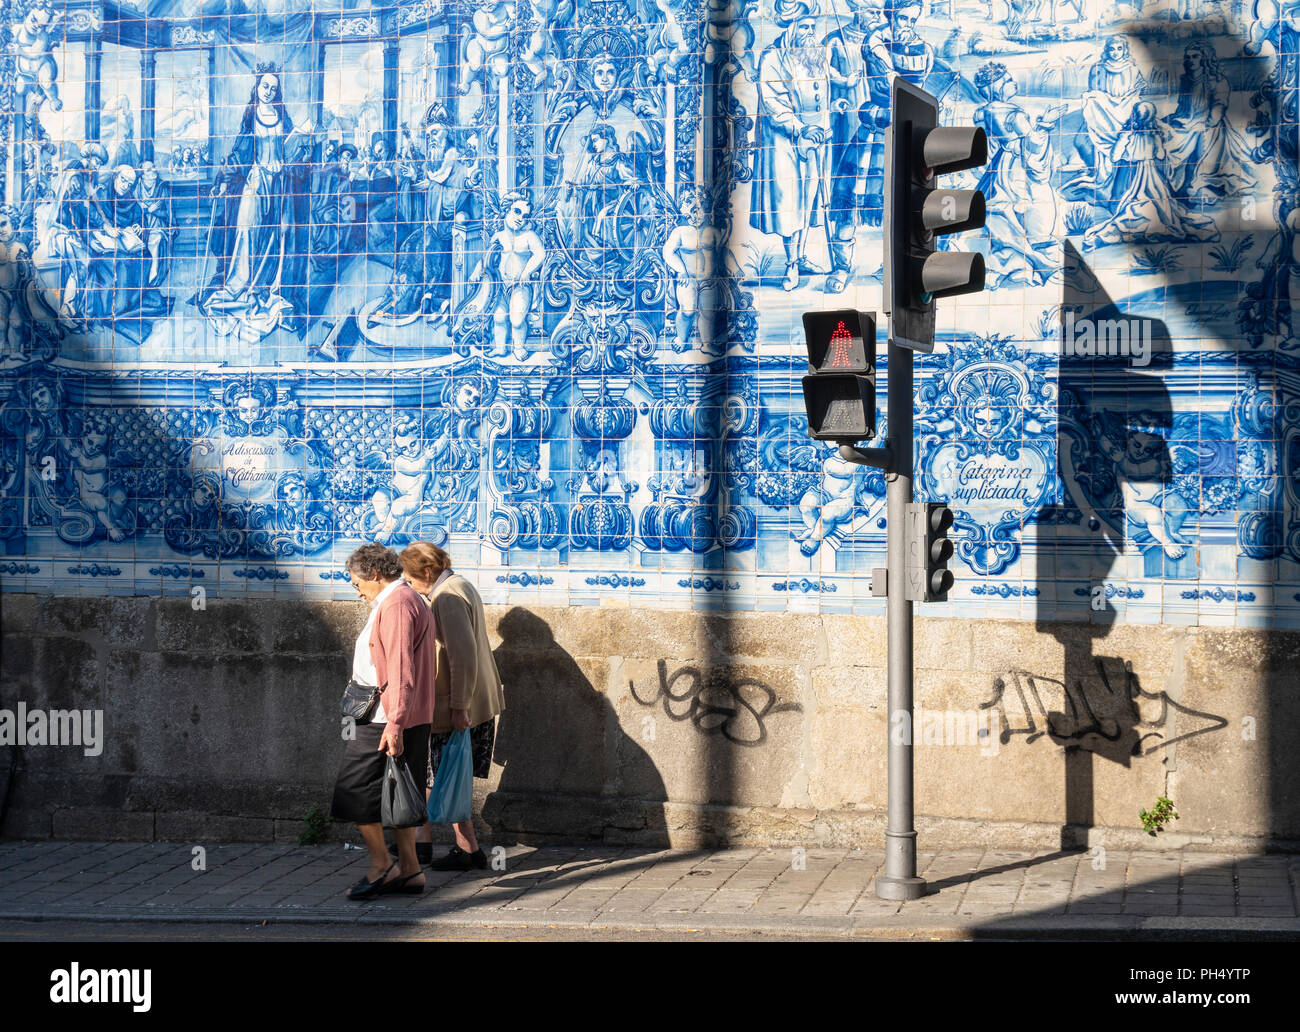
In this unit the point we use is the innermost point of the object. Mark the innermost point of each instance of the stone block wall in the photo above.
(650, 727)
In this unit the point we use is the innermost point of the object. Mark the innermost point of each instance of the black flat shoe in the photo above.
(458, 860)
(399, 885)
(369, 889)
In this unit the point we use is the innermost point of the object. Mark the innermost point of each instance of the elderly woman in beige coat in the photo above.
(468, 694)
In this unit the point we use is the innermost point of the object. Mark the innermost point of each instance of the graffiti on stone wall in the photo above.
(1108, 712)
(715, 702)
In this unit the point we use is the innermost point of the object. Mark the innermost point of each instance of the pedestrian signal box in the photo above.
(840, 389)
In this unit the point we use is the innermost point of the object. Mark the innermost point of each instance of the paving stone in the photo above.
(573, 887)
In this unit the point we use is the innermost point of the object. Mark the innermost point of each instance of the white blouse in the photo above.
(363, 667)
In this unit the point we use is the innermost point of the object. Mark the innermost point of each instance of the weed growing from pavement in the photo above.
(317, 827)
(1158, 816)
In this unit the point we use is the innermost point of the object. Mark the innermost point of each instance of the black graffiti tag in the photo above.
(715, 704)
(1089, 712)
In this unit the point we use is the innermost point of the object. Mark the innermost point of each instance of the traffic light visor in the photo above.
(954, 148)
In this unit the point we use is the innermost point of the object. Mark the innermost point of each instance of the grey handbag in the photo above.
(401, 804)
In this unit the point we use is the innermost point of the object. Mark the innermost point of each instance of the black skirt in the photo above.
(361, 776)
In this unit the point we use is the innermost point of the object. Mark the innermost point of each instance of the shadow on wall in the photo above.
(1176, 498)
(1113, 430)
(217, 724)
(569, 768)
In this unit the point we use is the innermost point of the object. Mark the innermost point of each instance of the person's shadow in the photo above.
(1114, 477)
(569, 768)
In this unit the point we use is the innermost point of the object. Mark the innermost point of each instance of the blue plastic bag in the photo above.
(452, 798)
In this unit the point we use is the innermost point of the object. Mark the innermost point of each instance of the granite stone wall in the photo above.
(653, 727)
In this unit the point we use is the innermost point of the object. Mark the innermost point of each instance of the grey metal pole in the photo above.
(899, 881)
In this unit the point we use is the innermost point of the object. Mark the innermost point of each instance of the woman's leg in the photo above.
(406, 859)
(373, 836)
(465, 836)
(424, 833)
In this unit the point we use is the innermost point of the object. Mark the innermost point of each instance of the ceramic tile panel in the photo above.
(525, 279)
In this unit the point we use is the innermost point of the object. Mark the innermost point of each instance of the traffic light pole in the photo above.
(916, 273)
(899, 880)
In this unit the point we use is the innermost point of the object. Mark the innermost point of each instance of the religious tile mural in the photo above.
(525, 279)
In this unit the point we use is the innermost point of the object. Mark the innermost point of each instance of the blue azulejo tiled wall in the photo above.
(525, 278)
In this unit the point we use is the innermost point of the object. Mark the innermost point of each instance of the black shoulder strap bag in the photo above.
(359, 701)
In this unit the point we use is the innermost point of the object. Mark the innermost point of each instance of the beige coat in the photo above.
(467, 671)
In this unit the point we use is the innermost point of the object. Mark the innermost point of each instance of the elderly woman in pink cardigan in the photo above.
(397, 653)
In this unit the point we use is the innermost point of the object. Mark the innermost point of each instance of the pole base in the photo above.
(900, 889)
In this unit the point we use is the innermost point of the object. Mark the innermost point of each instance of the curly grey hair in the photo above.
(374, 562)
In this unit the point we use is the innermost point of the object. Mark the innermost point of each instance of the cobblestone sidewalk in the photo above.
(974, 894)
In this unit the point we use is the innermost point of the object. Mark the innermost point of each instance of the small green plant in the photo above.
(1155, 819)
(317, 826)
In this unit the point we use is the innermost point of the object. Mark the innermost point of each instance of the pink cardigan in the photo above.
(403, 647)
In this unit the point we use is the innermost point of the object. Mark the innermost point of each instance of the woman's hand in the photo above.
(391, 742)
(460, 719)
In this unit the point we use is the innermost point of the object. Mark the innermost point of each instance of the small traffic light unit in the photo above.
(839, 392)
(917, 149)
(928, 552)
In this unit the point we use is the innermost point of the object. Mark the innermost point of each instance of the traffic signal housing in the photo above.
(928, 552)
(917, 149)
(839, 391)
